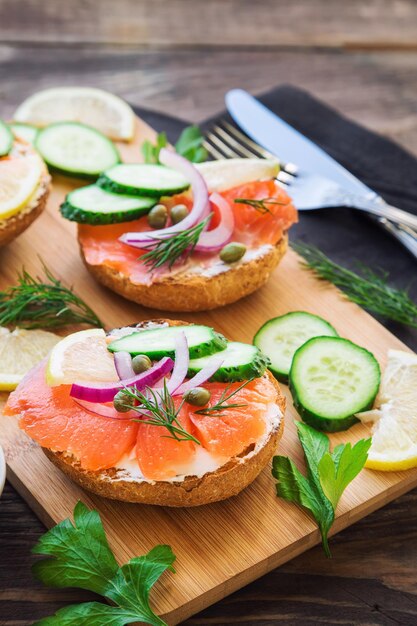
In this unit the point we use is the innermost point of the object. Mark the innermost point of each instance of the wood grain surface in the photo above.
(371, 578)
(219, 547)
(326, 23)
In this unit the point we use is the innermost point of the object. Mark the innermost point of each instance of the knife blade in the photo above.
(287, 143)
(290, 146)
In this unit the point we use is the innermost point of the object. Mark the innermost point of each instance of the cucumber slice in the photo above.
(331, 379)
(241, 361)
(6, 139)
(93, 205)
(159, 342)
(280, 337)
(27, 132)
(76, 149)
(139, 179)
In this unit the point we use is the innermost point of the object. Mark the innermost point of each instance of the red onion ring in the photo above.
(182, 358)
(200, 210)
(123, 364)
(214, 240)
(102, 410)
(105, 392)
(201, 377)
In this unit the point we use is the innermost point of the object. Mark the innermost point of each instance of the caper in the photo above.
(232, 252)
(178, 213)
(197, 396)
(123, 402)
(157, 217)
(141, 363)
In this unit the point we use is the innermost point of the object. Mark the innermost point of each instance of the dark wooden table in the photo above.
(359, 57)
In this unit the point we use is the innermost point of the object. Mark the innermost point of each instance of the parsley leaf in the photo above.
(328, 474)
(338, 469)
(189, 145)
(151, 151)
(81, 557)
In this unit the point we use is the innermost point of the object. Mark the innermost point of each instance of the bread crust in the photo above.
(18, 223)
(225, 482)
(193, 292)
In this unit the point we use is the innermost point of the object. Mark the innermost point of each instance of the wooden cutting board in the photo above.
(219, 547)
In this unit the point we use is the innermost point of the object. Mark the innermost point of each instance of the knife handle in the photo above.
(381, 209)
(406, 236)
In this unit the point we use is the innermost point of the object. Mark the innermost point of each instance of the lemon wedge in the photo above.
(228, 173)
(81, 356)
(20, 350)
(394, 421)
(19, 179)
(97, 108)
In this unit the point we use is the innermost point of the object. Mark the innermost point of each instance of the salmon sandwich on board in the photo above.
(179, 236)
(24, 185)
(164, 412)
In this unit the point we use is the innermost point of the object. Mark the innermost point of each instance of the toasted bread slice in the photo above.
(13, 226)
(195, 291)
(226, 481)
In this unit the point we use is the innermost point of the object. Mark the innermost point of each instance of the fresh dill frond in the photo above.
(167, 250)
(43, 302)
(369, 289)
(222, 404)
(259, 205)
(158, 408)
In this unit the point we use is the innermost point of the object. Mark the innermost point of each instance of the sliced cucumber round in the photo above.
(159, 342)
(27, 132)
(6, 139)
(139, 179)
(332, 379)
(76, 149)
(93, 205)
(241, 361)
(280, 337)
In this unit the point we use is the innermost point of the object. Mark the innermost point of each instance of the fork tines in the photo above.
(225, 141)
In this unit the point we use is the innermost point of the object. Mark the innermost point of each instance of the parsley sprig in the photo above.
(369, 289)
(43, 302)
(157, 408)
(328, 475)
(167, 250)
(78, 555)
(189, 145)
(222, 404)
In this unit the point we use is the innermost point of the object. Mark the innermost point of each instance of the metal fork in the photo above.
(225, 141)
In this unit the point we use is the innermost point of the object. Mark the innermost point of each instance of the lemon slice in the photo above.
(81, 356)
(228, 173)
(394, 421)
(97, 108)
(19, 179)
(20, 350)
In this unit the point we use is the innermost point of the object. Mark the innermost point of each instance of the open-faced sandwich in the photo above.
(182, 237)
(24, 185)
(162, 413)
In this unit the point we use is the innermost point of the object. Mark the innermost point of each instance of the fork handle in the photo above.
(407, 237)
(382, 209)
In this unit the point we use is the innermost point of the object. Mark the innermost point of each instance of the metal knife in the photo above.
(289, 145)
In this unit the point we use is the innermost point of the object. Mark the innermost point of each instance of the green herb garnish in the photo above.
(369, 289)
(37, 302)
(189, 145)
(158, 408)
(80, 556)
(222, 404)
(328, 475)
(167, 250)
(259, 205)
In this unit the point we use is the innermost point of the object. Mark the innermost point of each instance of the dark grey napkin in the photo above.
(346, 236)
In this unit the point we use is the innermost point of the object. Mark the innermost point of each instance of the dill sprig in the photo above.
(36, 302)
(158, 407)
(222, 404)
(259, 205)
(369, 289)
(168, 250)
